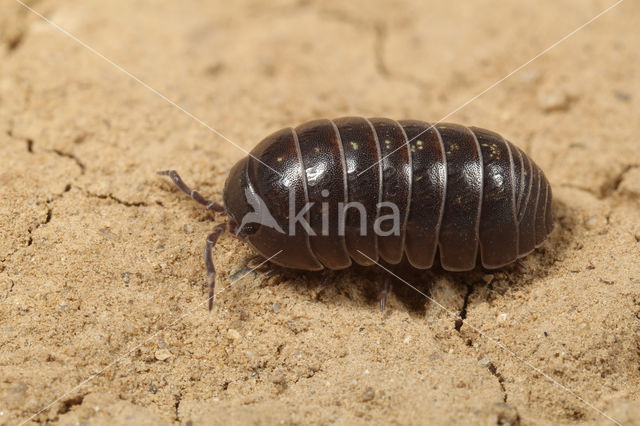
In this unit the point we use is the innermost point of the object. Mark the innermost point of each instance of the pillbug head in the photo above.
(236, 202)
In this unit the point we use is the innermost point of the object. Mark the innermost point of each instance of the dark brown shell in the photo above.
(464, 192)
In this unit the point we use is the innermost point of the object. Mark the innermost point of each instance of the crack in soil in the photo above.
(494, 370)
(30, 230)
(608, 188)
(116, 199)
(12, 284)
(459, 322)
(79, 163)
(177, 406)
(27, 141)
(69, 403)
(30, 144)
(381, 33)
(589, 191)
(611, 186)
(46, 220)
(463, 311)
(15, 41)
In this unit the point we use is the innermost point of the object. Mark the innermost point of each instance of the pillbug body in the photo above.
(330, 193)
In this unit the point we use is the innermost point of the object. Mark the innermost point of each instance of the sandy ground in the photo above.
(102, 318)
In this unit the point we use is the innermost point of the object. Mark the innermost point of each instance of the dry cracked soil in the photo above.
(102, 314)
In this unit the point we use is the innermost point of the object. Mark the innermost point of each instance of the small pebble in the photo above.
(280, 381)
(293, 326)
(163, 354)
(215, 68)
(484, 362)
(161, 343)
(623, 96)
(276, 307)
(187, 229)
(591, 222)
(107, 233)
(488, 278)
(556, 100)
(530, 76)
(368, 395)
(578, 145)
(233, 334)
(502, 317)
(153, 389)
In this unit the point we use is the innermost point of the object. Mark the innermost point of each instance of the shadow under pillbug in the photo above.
(332, 192)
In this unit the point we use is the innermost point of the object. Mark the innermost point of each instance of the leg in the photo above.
(384, 291)
(327, 277)
(262, 265)
(212, 238)
(257, 263)
(523, 266)
(175, 177)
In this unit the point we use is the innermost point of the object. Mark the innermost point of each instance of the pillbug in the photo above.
(330, 193)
